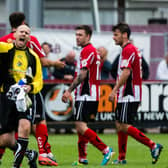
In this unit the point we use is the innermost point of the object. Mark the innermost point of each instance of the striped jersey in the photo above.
(130, 58)
(89, 89)
(33, 43)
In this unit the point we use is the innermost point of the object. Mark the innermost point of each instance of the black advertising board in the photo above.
(152, 112)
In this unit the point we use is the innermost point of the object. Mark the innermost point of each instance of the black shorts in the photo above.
(85, 110)
(38, 108)
(126, 112)
(9, 116)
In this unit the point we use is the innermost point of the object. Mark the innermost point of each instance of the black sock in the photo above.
(20, 151)
(29, 154)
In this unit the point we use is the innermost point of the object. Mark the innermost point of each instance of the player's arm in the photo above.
(80, 78)
(48, 63)
(37, 82)
(35, 45)
(4, 47)
(122, 80)
(44, 61)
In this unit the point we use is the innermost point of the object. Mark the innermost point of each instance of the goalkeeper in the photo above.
(15, 60)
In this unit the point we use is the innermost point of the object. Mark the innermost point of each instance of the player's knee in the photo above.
(120, 127)
(24, 128)
(6, 140)
(81, 128)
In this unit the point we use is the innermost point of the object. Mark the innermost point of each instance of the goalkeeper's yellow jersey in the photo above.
(14, 64)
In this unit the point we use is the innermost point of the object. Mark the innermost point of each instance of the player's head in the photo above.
(121, 33)
(16, 19)
(22, 36)
(83, 35)
(123, 28)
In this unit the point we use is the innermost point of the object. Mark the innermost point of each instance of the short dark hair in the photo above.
(123, 27)
(87, 29)
(16, 19)
(46, 43)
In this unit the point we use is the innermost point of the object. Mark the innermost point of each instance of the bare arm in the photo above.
(123, 78)
(80, 78)
(48, 63)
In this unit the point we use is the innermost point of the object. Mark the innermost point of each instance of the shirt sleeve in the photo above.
(128, 56)
(37, 82)
(35, 45)
(4, 47)
(87, 58)
(3, 39)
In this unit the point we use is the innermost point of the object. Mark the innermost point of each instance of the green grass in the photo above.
(65, 149)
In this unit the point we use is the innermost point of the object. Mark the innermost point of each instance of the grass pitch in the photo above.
(64, 148)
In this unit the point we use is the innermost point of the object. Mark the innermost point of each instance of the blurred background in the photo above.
(144, 16)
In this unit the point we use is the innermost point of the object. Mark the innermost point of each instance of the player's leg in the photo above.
(22, 141)
(82, 150)
(2, 119)
(7, 123)
(24, 127)
(8, 140)
(82, 147)
(82, 112)
(122, 148)
(130, 109)
(122, 138)
(41, 132)
(96, 141)
(10, 124)
(142, 138)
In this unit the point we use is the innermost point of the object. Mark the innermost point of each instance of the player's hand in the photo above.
(112, 96)
(65, 96)
(27, 88)
(59, 64)
(68, 77)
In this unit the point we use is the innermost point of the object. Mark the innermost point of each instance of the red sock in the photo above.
(2, 151)
(122, 144)
(82, 146)
(95, 140)
(139, 136)
(42, 138)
